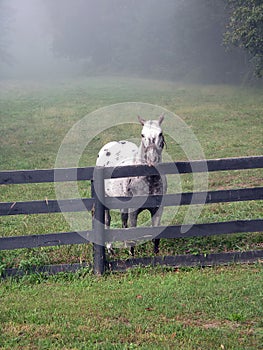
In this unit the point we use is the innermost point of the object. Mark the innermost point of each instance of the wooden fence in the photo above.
(103, 234)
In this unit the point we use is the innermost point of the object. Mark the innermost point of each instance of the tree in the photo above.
(245, 29)
(174, 39)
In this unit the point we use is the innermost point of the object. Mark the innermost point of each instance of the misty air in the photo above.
(131, 192)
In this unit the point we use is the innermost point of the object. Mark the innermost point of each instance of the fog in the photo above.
(173, 39)
(29, 43)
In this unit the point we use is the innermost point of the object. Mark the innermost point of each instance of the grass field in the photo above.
(218, 308)
(35, 117)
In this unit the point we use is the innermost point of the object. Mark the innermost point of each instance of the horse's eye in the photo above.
(143, 135)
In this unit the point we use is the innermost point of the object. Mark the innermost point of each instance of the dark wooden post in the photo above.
(98, 192)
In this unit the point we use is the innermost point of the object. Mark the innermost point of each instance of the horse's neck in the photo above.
(140, 156)
(156, 183)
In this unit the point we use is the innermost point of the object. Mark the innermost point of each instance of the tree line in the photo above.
(198, 40)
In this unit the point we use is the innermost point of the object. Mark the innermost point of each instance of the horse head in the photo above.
(152, 141)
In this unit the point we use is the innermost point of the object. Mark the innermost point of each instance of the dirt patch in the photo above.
(34, 331)
(208, 324)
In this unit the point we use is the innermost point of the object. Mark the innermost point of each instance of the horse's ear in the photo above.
(161, 118)
(142, 121)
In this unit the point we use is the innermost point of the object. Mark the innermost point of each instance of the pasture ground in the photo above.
(35, 117)
(212, 308)
(217, 308)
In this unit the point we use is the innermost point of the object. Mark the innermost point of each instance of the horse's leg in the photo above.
(107, 218)
(124, 218)
(107, 224)
(156, 214)
(133, 215)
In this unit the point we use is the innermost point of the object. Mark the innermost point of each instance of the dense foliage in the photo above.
(245, 29)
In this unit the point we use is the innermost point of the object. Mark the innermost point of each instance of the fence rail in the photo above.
(76, 205)
(141, 233)
(86, 173)
(97, 176)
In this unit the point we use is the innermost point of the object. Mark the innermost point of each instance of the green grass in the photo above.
(216, 308)
(145, 308)
(35, 117)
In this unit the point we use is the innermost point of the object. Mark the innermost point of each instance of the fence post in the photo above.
(98, 193)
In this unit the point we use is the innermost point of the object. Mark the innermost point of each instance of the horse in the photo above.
(121, 153)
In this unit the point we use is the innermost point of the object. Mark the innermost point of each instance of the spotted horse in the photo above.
(121, 153)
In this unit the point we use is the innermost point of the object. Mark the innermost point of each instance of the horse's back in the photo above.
(115, 154)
